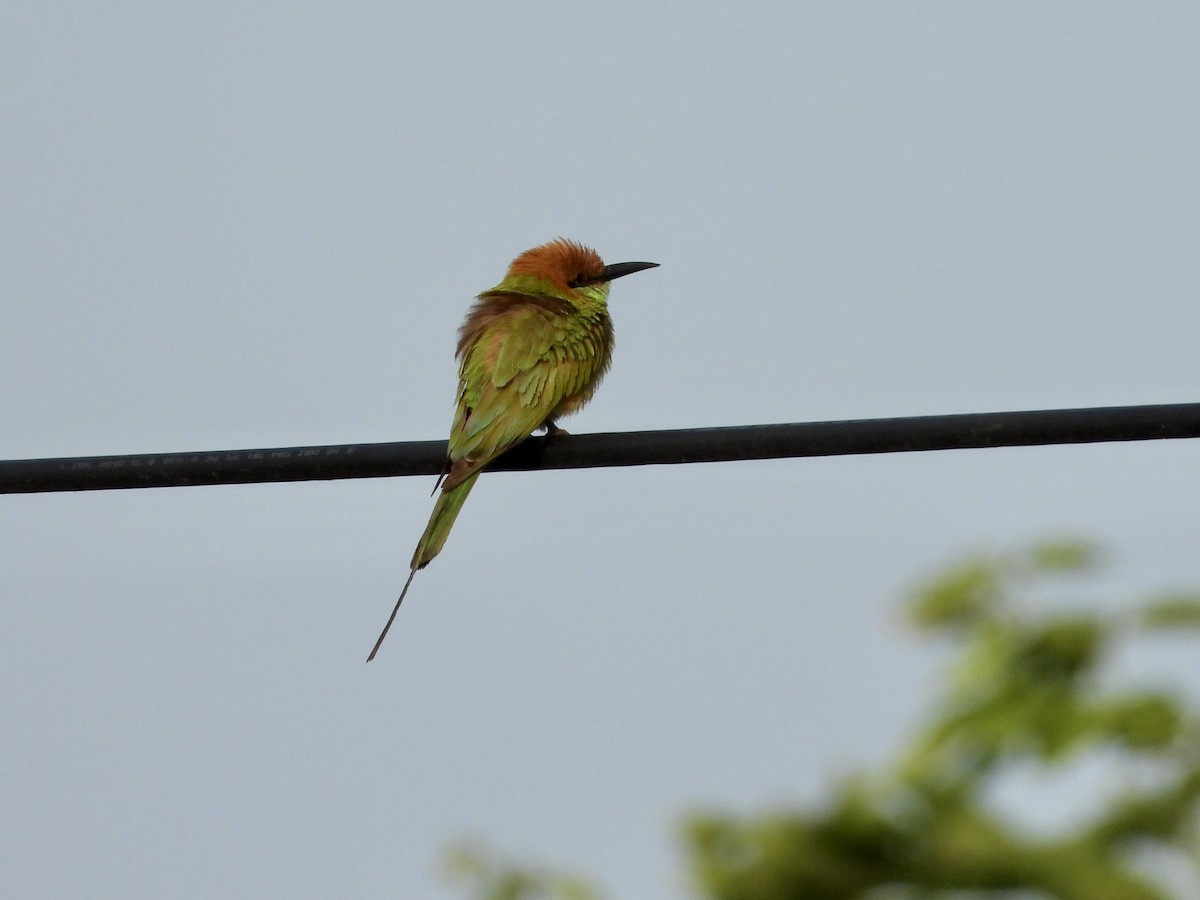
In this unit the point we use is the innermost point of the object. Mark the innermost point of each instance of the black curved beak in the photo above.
(619, 270)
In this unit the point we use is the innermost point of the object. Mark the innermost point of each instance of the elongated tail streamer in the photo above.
(445, 511)
(392, 617)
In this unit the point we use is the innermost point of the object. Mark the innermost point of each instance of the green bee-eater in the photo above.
(532, 350)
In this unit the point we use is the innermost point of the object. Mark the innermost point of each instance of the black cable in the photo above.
(638, 448)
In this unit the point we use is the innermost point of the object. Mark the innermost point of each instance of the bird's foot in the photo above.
(553, 430)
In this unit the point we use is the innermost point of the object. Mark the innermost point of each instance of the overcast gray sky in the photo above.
(245, 225)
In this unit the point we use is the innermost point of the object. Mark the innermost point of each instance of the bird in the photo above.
(531, 350)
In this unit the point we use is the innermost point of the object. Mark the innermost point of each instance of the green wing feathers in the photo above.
(523, 360)
(523, 363)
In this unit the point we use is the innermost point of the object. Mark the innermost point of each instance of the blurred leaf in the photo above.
(1063, 648)
(1145, 721)
(1064, 555)
(1173, 611)
(490, 878)
(960, 596)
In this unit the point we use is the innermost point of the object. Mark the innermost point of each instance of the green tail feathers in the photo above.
(445, 511)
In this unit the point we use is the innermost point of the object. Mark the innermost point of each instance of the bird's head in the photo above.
(570, 266)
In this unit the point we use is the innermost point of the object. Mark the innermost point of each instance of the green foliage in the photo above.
(1173, 611)
(978, 588)
(1025, 688)
(1063, 555)
(490, 878)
